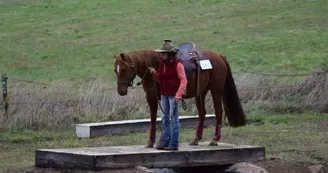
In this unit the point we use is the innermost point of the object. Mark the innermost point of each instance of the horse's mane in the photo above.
(145, 57)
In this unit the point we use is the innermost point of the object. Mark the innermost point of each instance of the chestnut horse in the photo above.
(218, 80)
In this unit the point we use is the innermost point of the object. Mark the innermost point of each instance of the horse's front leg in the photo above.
(152, 103)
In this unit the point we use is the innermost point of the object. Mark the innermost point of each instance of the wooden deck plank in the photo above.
(98, 158)
(89, 130)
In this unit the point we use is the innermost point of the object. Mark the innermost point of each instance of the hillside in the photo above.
(67, 39)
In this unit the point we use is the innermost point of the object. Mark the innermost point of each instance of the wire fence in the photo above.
(243, 71)
(13, 79)
(60, 104)
(282, 75)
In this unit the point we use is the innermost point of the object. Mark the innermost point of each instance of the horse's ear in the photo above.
(123, 56)
(115, 55)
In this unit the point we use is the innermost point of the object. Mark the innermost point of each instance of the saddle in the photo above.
(190, 55)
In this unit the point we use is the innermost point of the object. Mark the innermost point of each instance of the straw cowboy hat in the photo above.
(167, 47)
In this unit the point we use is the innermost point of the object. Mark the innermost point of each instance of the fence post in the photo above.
(4, 92)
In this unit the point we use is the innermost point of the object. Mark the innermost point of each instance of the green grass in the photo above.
(290, 137)
(52, 40)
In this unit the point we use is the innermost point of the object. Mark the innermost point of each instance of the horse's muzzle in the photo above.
(122, 92)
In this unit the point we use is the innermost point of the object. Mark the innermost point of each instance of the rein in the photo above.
(184, 106)
(154, 85)
(145, 74)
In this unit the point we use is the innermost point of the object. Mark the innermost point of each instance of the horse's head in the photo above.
(125, 72)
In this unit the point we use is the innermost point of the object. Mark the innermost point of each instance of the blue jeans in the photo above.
(170, 121)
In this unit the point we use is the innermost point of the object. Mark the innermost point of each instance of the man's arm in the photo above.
(154, 73)
(183, 81)
(156, 77)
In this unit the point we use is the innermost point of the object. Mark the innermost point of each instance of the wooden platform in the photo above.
(100, 158)
(89, 130)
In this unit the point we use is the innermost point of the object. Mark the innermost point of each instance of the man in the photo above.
(172, 79)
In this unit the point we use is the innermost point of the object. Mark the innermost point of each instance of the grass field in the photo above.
(52, 40)
(299, 138)
(69, 44)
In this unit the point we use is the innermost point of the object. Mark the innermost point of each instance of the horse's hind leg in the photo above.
(217, 101)
(200, 103)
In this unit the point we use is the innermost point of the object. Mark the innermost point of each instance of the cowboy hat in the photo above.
(167, 47)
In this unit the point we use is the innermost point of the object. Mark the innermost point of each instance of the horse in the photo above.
(218, 80)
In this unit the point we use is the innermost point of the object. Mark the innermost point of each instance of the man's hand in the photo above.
(177, 100)
(152, 70)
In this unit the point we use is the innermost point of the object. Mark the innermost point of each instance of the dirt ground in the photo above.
(272, 166)
(280, 166)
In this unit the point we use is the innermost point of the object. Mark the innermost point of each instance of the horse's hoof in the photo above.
(195, 141)
(150, 145)
(213, 143)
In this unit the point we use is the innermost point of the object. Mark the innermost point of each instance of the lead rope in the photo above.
(184, 106)
(159, 103)
(154, 85)
(145, 74)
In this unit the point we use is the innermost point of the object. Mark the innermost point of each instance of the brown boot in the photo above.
(171, 148)
(160, 147)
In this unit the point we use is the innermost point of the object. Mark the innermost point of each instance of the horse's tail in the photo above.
(231, 102)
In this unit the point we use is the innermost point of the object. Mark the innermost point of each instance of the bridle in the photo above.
(129, 82)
